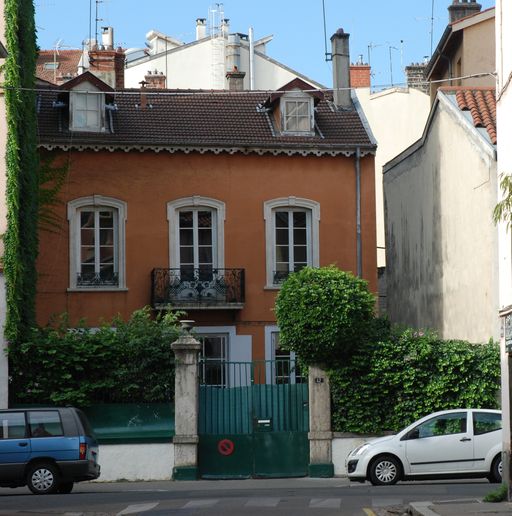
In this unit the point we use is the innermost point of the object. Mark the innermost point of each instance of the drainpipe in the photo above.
(359, 254)
(251, 58)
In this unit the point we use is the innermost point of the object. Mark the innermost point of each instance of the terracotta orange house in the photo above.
(203, 201)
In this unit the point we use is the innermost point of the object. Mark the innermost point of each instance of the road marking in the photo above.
(196, 504)
(368, 512)
(134, 509)
(325, 503)
(263, 502)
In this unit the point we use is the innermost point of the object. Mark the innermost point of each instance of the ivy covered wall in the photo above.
(20, 239)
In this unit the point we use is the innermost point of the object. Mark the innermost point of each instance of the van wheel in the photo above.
(385, 470)
(65, 487)
(496, 473)
(43, 479)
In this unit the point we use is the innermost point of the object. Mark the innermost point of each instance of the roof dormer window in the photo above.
(297, 114)
(87, 111)
(87, 98)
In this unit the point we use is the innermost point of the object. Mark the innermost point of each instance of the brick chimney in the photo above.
(155, 80)
(106, 63)
(415, 74)
(235, 80)
(462, 8)
(341, 69)
(360, 75)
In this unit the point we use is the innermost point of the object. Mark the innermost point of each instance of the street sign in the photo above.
(508, 333)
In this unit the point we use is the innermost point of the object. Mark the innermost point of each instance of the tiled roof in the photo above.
(481, 103)
(198, 120)
(67, 65)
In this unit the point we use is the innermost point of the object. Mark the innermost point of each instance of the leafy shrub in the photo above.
(323, 314)
(119, 362)
(390, 383)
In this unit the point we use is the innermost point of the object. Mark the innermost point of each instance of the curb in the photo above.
(422, 509)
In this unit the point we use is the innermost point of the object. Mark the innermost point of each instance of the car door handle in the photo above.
(22, 444)
(464, 439)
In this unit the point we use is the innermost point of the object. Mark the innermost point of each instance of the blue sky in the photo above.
(297, 26)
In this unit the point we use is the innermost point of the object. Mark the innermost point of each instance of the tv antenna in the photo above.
(328, 55)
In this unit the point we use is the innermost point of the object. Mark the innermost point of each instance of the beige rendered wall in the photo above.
(441, 242)
(397, 118)
(479, 53)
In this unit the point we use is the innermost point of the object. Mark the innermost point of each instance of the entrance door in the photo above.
(256, 424)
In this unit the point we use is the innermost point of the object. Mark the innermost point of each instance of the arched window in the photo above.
(292, 237)
(97, 243)
(196, 233)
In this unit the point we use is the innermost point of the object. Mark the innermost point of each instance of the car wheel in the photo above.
(65, 487)
(496, 473)
(385, 471)
(43, 479)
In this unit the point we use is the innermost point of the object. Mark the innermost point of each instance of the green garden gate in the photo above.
(253, 419)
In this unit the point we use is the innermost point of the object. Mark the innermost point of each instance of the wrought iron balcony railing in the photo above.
(97, 279)
(198, 288)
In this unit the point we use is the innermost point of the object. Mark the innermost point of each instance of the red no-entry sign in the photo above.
(226, 447)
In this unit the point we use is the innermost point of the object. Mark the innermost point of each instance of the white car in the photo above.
(449, 444)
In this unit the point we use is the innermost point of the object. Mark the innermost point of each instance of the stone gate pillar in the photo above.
(186, 405)
(320, 435)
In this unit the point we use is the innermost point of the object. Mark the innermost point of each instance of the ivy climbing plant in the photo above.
(20, 239)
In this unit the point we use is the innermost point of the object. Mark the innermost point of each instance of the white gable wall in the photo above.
(441, 241)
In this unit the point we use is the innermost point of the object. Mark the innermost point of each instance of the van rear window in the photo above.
(45, 423)
(89, 432)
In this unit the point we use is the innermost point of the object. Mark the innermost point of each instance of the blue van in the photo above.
(46, 449)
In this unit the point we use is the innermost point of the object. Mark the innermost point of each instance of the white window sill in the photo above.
(272, 287)
(97, 289)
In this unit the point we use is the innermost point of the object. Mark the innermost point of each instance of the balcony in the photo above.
(198, 289)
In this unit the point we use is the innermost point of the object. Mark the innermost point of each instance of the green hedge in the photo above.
(392, 382)
(119, 362)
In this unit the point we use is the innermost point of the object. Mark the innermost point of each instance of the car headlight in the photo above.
(360, 450)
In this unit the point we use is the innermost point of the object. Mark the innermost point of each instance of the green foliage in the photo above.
(20, 239)
(120, 362)
(503, 210)
(323, 314)
(499, 495)
(389, 383)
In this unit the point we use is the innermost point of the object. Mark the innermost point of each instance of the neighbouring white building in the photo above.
(203, 63)
(396, 117)
(504, 121)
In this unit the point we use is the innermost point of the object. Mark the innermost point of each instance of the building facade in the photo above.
(202, 202)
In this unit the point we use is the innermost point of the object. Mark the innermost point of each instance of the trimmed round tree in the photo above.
(323, 314)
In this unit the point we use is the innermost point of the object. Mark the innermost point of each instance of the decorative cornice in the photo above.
(364, 150)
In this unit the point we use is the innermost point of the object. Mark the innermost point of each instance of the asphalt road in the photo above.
(300, 497)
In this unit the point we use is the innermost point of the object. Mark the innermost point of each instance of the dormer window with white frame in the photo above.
(87, 111)
(297, 114)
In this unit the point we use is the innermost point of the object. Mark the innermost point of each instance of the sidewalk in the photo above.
(462, 508)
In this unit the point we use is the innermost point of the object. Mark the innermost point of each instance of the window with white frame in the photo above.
(196, 227)
(87, 110)
(214, 352)
(97, 241)
(285, 367)
(292, 226)
(297, 114)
